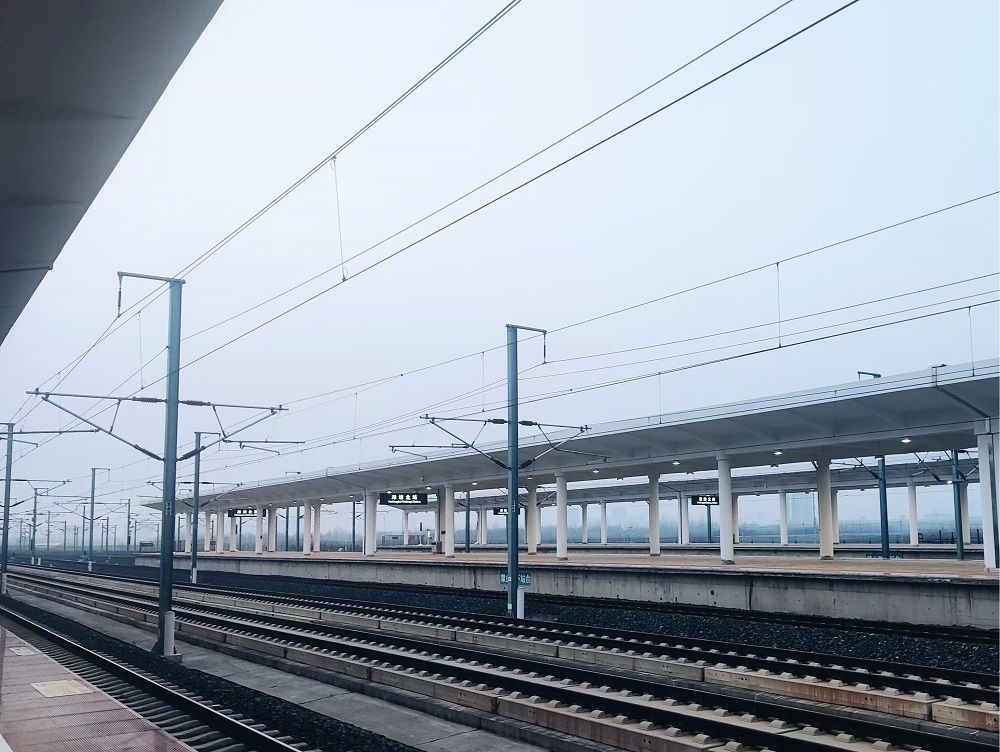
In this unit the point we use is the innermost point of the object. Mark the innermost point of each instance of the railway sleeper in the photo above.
(971, 715)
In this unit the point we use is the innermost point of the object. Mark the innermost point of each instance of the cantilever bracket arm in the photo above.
(559, 447)
(47, 398)
(920, 461)
(870, 471)
(395, 449)
(465, 444)
(224, 437)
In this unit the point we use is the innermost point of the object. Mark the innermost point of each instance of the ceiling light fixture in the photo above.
(778, 453)
(907, 440)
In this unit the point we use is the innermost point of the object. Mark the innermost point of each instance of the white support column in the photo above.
(449, 522)
(439, 523)
(783, 517)
(371, 513)
(406, 528)
(531, 520)
(562, 523)
(989, 481)
(726, 550)
(482, 525)
(317, 529)
(206, 533)
(911, 499)
(583, 524)
(306, 529)
(272, 529)
(825, 508)
(963, 491)
(684, 519)
(654, 515)
(234, 536)
(189, 543)
(736, 518)
(604, 523)
(836, 515)
(258, 547)
(220, 530)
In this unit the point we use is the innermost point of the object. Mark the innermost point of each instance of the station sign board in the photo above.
(705, 500)
(403, 498)
(242, 512)
(501, 511)
(523, 579)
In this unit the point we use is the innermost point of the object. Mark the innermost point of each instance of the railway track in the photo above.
(969, 686)
(955, 633)
(583, 695)
(198, 723)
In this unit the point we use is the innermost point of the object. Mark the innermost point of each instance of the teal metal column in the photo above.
(34, 527)
(883, 507)
(956, 492)
(90, 540)
(512, 468)
(164, 644)
(6, 509)
(196, 498)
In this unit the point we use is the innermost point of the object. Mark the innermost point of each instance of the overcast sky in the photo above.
(887, 111)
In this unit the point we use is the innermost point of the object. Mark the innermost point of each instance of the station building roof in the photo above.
(938, 409)
(77, 81)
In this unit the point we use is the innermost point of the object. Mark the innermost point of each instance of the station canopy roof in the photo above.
(938, 409)
(77, 80)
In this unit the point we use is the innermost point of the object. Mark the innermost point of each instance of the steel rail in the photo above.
(965, 634)
(366, 644)
(661, 644)
(821, 665)
(213, 719)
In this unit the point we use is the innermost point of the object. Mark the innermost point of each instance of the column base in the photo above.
(562, 558)
(656, 554)
(826, 558)
(532, 553)
(728, 561)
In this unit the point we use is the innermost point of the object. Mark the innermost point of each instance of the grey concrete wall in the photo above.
(950, 601)
(973, 551)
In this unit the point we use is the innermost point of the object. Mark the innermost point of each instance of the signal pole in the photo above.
(128, 526)
(515, 605)
(6, 507)
(34, 527)
(90, 543)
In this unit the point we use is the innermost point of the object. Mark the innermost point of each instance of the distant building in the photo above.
(801, 510)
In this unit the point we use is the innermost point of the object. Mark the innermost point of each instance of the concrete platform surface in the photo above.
(424, 732)
(47, 708)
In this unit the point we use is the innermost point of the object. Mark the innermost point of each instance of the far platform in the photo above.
(918, 591)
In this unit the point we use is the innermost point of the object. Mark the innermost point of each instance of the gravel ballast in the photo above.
(317, 730)
(725, 626)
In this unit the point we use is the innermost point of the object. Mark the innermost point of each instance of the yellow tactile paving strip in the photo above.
(46, 708)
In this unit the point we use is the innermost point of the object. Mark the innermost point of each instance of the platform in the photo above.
(973, 551)
(47, 708)
(936, 592)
